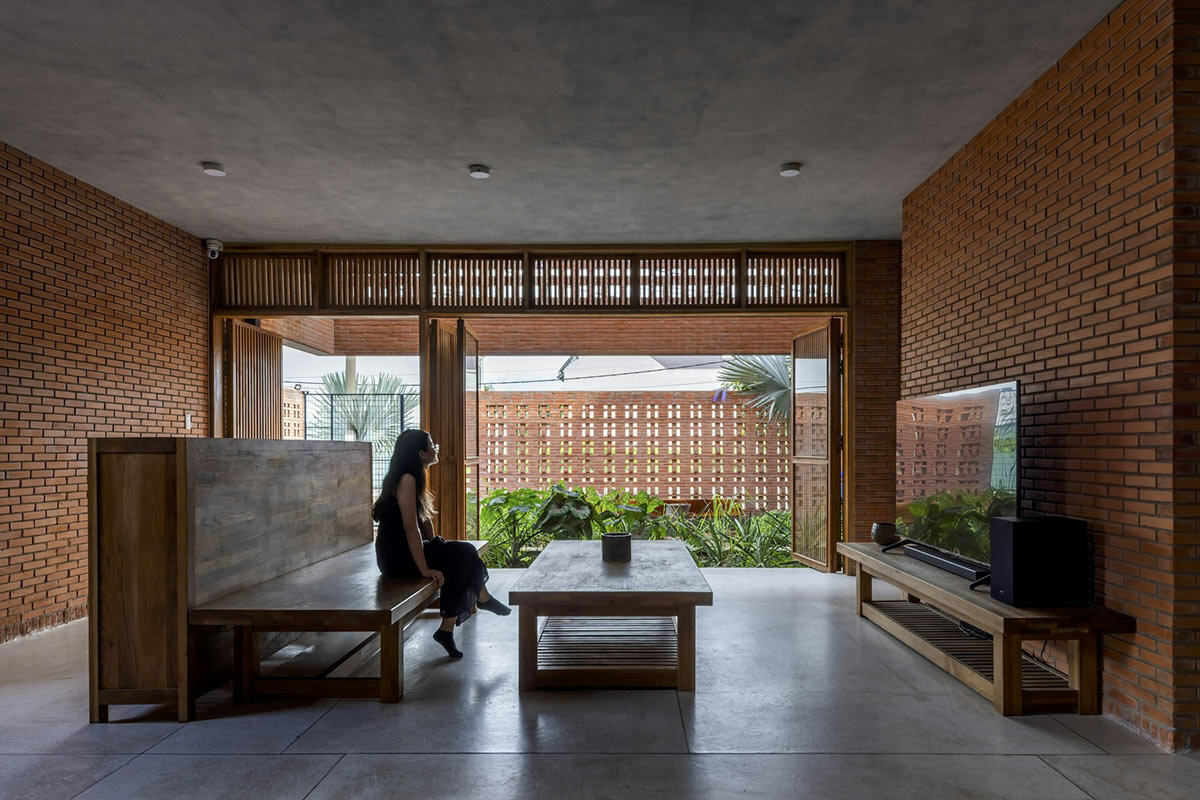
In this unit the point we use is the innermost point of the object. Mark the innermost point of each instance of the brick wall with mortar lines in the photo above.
(876, 346)
(563, 335)
(313, 333)
(105, 333)
(677, 445)
(1042, 251)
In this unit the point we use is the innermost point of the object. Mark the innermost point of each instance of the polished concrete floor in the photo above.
(796, 697)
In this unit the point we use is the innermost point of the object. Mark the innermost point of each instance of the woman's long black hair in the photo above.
(406, 460)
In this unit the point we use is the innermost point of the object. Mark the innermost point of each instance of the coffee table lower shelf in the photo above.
(607, 652)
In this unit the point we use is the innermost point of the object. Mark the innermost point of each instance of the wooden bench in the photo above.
(997, 669)
(342, 593)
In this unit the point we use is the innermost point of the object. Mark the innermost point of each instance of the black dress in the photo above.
(459, 562)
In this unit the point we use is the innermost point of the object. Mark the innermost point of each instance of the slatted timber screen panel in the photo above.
(672, 281)
(476, 281)
(566, 281)
(253, 375)
(795, 279)
(266, 281)
(387, 280)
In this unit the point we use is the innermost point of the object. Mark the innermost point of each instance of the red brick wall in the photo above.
(876, 364)
(676, 445)
(312, 333)
(105, 332)
(1043, 251)
(579, 335)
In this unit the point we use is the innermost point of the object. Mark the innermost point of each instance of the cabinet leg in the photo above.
(1083, 671)
(863, 582)
(1006, 674)
(391, 662)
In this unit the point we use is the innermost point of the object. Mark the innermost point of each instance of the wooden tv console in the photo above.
(997, 669)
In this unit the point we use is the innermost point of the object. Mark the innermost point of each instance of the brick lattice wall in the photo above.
(677, 445)
(1042, 251)
(105, 332)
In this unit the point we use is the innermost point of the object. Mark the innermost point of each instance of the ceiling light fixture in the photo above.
(212, 168)
(790, 169)
(479, 171)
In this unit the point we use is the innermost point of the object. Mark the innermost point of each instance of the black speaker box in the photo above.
(1040, 561)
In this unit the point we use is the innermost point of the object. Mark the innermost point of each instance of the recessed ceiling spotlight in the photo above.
(790, 170)
(212, 168)
(479, 171)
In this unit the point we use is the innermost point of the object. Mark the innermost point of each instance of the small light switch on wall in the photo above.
(187, 420)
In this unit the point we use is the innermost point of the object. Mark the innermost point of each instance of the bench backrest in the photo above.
(260, 508)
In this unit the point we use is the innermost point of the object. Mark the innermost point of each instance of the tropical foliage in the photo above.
(768, 379)
(519, 523)
(379, 409)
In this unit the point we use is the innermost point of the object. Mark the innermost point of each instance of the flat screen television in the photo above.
(957, 466)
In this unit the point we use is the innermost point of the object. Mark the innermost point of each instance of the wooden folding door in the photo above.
(817, 445)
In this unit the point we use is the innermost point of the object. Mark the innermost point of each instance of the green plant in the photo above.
(767, 378)
(567, 514)
(636, 513)
(730, 539)
(957, 521)
(506, 520)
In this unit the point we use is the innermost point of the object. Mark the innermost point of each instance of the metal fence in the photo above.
(362, 417)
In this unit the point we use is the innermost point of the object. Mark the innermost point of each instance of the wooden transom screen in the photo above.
(318, 282)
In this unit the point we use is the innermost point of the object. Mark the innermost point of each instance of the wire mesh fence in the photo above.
(362, 417)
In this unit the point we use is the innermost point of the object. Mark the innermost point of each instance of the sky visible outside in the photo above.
(526, 373)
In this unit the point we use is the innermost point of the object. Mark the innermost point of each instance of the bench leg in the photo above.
(391, 663)
(527, 649)
(1006, 674)
(245, 663)
(1083, 664)
(863, 582)
(685, 653)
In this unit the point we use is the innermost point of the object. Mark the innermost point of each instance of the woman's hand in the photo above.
(437, 576)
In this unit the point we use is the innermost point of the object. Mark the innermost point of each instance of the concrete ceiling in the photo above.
(603, 120)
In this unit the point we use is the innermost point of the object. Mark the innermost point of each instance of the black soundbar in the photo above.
(956, 566)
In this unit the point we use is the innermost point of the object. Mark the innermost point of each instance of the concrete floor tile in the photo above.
(81, 738)
(496, 718)
(859, 722)
(268, 726)
(1132, 777)
(590, 777)
(1109, 735)
(53, 777)
(208, 777)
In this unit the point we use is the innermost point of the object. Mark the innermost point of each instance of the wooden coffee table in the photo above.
(609, 625)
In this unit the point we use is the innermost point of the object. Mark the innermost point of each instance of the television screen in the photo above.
(956, 467)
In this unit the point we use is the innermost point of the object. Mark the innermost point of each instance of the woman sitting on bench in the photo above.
(406, 546)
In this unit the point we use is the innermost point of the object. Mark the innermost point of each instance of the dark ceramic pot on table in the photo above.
(616, 547)
(884, 533)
